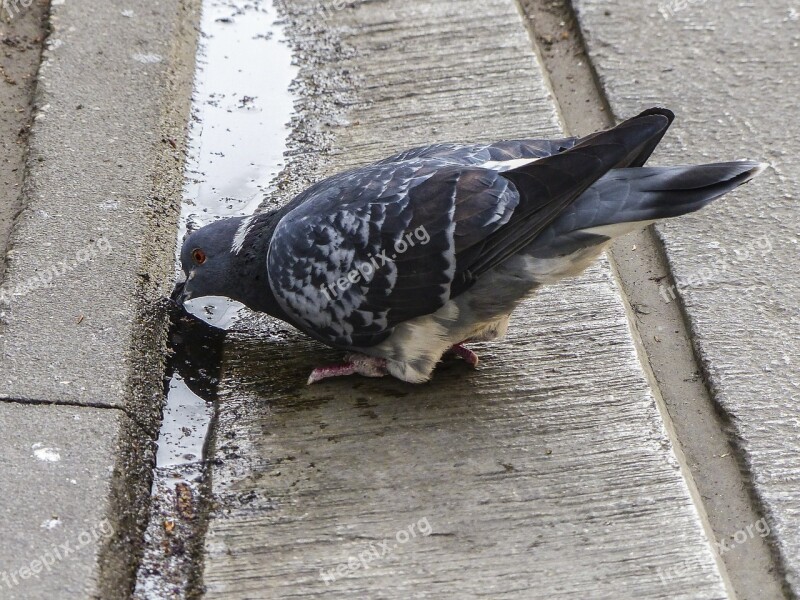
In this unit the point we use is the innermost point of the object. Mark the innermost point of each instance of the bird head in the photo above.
(213, 259)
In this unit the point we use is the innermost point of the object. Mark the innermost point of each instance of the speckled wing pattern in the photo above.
(378, 246)
(363, 251)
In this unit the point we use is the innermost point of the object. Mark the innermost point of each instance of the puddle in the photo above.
(239, 129)
(237, 138)
(242, 111)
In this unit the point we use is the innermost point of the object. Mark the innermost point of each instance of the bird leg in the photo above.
(465, 353)
(356, 364)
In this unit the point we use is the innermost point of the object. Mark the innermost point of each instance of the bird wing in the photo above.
(374, 247)
(380, 246)
(549, 185)
(477, 154)
(506, 151)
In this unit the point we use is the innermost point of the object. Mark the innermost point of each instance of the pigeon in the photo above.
(399, 262)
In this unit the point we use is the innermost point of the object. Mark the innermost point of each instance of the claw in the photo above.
(468, 355)
(357, 364)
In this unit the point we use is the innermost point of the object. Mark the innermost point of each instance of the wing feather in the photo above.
(350, 263)
(359, 253)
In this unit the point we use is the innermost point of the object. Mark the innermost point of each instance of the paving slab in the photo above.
(82, 334)
(546, 473)
(733, 78)
(63, 518)
(94, 248)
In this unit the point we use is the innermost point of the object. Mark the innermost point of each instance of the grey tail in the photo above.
(624, 199)
(548, 186)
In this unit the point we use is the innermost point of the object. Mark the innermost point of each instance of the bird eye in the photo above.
(198, 256)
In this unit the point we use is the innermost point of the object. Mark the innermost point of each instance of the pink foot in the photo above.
(356, 364)
(465, 353)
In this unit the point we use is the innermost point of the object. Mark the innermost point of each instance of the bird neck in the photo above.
(250, 268)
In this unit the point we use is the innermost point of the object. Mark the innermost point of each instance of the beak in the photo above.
(179, 294)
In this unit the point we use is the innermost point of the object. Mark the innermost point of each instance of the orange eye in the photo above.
(198, 256)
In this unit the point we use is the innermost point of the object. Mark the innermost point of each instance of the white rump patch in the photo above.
(241, 235)
(506, 165)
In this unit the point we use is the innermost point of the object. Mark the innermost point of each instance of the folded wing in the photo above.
(374, 247)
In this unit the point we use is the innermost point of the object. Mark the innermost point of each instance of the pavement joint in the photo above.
(99, 405)
(712, 460)
(731, 96)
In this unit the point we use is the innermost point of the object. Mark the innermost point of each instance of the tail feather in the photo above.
(625, 200)
(629, 197)
(548, 186)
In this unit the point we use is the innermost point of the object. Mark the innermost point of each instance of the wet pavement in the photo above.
(237, 138)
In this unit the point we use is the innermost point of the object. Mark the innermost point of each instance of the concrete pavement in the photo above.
(67, 513)
(80, 327)
(732, 76)
(546, 473)
(92, 251)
